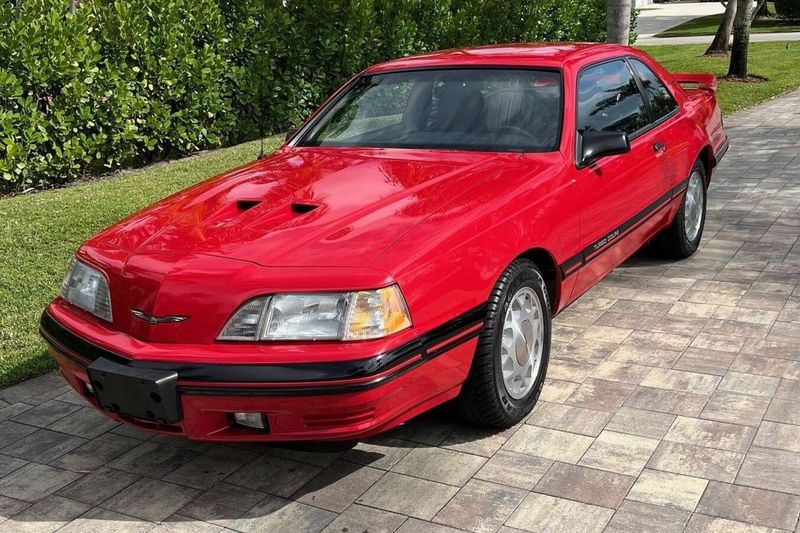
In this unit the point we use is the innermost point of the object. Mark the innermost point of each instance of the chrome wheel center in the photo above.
(693, 206)
(522, 343)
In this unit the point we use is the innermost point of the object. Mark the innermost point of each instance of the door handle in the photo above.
(659, 147)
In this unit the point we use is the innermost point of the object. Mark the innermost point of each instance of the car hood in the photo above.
(307, 206)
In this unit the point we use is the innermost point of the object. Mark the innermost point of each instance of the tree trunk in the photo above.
(741, 39)
(762, 10)
(618, 21)
(720, 43)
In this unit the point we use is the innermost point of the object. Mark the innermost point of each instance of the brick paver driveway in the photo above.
(673, 402)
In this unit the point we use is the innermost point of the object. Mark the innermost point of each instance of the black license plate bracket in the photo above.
(143, 393)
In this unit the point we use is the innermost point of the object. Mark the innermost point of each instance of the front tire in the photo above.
(681, 239)
(513, 350)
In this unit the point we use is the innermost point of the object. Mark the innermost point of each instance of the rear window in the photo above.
(465, 109)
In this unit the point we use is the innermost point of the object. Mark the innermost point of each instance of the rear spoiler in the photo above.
(702, 81)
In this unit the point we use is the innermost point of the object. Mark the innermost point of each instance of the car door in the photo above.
(616, 193)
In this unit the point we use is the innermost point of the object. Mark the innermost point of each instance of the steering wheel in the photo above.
(516, 129)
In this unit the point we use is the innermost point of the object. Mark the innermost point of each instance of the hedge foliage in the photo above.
(788, 9)
(126, 82)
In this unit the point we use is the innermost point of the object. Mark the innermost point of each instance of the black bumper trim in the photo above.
(315, 376)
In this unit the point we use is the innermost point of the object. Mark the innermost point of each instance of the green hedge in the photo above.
(788, 9)
(127, 82)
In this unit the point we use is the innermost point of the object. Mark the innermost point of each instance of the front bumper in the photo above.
(330, 400)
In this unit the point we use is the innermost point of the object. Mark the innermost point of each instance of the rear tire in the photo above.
(681, 239)
(513, 350)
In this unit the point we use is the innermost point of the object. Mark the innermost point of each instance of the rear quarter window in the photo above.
(659, 97)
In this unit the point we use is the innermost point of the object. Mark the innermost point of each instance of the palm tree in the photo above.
(618, 21)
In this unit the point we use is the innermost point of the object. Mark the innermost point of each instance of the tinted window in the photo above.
(609, 99)
(468, 109)
(661, 101)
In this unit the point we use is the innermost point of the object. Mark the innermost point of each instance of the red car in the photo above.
(406, 246)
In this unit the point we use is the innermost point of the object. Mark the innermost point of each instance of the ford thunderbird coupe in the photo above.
(406, 246)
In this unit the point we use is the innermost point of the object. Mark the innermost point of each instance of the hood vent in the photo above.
(244, 205)
(301, 209)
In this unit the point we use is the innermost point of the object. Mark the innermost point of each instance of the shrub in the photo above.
(126, 82)
(788, 9)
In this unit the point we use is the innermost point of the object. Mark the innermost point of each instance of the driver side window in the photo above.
(609, 99)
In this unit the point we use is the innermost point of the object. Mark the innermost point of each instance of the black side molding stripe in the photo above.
(577, 261)
(441, 339)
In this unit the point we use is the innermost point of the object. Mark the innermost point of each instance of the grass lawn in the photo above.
(771, 60)
(708, 26)
(39, 232)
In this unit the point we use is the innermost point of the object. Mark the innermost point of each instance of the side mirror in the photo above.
(593, 145)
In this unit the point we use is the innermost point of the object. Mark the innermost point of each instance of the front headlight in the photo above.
(87, 288)
(319, 316)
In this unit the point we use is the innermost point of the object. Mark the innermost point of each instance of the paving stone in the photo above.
(749, 384)
(46, 413)
(678, 380)
(437, 464)
(480, 506)
(96, 452)
(49, 514)
(639, 422)
(644, 356)
(209, 468)
(587, 485)
(697, 461)
(610, 334)
(222, 504)
(549, 444)
(700, 523)
(546, 514)
(712, 434)
(691, 309)
(666, 401)
(569, 418)
(750, 505)
(788, 389)
(705, 361)
(658, 341)
(771, 469)
(600, 394)
(514, 469)
(722, 343)
(430, 428)
(766, 366)
(11, 432)
(35, 391)
(358, 518)
(774, 349)
(85, 422)
(735, 408)
(670, 490)
(379, 452)
(34, 482)
(275, 475)
(151, 499)
(316, 453)
(408, 495)
(183, 524)
(43, 446)
(477, 440)
(556, 390)
(10, 507)
(277, 514)
(153, 459)
(779, 436)
(565, 370)
(414, 525)
(338, 486)
(635, 517)
(625, 372)
(587, 350)
(9, 464)
(619, 452)
(785, 411)
(96, 487)
(12, 410)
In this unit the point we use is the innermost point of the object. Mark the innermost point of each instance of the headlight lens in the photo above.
(319, 316)
(87, 288)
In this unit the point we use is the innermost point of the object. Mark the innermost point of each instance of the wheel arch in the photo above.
(548, 266)
(706, 156)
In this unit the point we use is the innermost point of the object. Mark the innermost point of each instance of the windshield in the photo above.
(461, 109)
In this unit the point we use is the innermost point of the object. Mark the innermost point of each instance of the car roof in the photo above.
(547, 55)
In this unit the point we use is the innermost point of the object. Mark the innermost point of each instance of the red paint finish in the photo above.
(442, 224)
